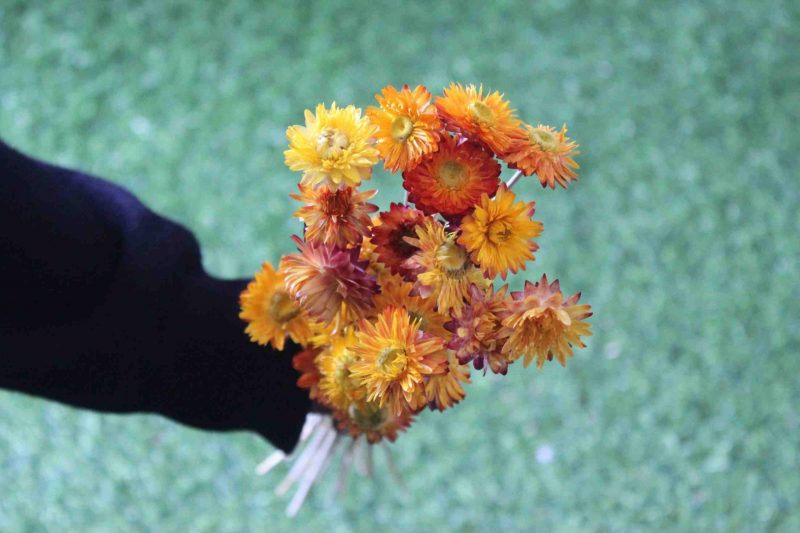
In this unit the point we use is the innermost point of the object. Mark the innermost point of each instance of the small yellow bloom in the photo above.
(393, 359)
(334, 147)
(499, 233)
(271, 313)
(337, 383)
(446, 272)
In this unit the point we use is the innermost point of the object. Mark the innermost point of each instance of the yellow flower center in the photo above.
(452, 258)
(331, 143)
(452, 174)
(481, 112)
(282, 308)
(392, 361)
(402, 128)
(370, 417)
(500, 231)
(341, 374)
(546, 140)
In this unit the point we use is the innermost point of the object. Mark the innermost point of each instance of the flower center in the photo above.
(500, 231)
(402, 128)
(452, 258)
(336, 204)
(392, 361)
(370, 417)
(546, 140)
(341, 373)
(452, 174)
(331, 143)
(481, 112)
(282, 308)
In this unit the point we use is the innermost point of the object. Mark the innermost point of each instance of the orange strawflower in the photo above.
(499, 233)
(446, 390)
(389, 237)
(408, 126)
(546, 152)
(542, 324)
(270, 312)
(329, 282)
(478, 335)
(445, 271)
(397, 293)
(487, 119)
(334, 148)
(394, 357)
(452, 180)
(339, 217)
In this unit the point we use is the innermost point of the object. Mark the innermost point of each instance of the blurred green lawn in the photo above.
(682, 233)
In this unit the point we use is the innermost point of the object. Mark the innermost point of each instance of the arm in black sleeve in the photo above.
(105, 305)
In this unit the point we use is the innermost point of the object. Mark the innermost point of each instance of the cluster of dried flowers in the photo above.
(391, 310)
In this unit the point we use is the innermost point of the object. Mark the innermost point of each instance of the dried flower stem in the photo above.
(514, 179)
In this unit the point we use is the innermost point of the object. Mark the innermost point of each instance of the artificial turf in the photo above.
(682, 414)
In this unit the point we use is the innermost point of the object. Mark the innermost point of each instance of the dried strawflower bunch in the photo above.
(393, 309)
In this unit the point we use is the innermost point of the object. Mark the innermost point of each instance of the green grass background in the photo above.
(682, 414)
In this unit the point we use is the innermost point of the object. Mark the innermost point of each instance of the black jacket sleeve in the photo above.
(105, 305)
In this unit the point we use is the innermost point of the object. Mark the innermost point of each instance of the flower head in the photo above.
(542, 324)
(499, 233)
(373, 421)
(445, 390)
(339, 217)
(394, 357)
(337, 383)
(546, 152)
(270, 312)
(478, 335)
(389, 237)
(452, 180)
(408, 126)
(398, 293)
(334, 147)
(445, 271)
(328, 281)
(487, 119)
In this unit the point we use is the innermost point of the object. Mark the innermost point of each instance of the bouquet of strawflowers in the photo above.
(392, 310)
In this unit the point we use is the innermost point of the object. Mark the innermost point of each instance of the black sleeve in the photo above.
(105, 305)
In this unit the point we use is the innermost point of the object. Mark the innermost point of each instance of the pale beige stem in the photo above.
(300, 465)
(393, 467)
(344, 469)
(315, 466)
(361, 456)
(273, 460)
(513, 179)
